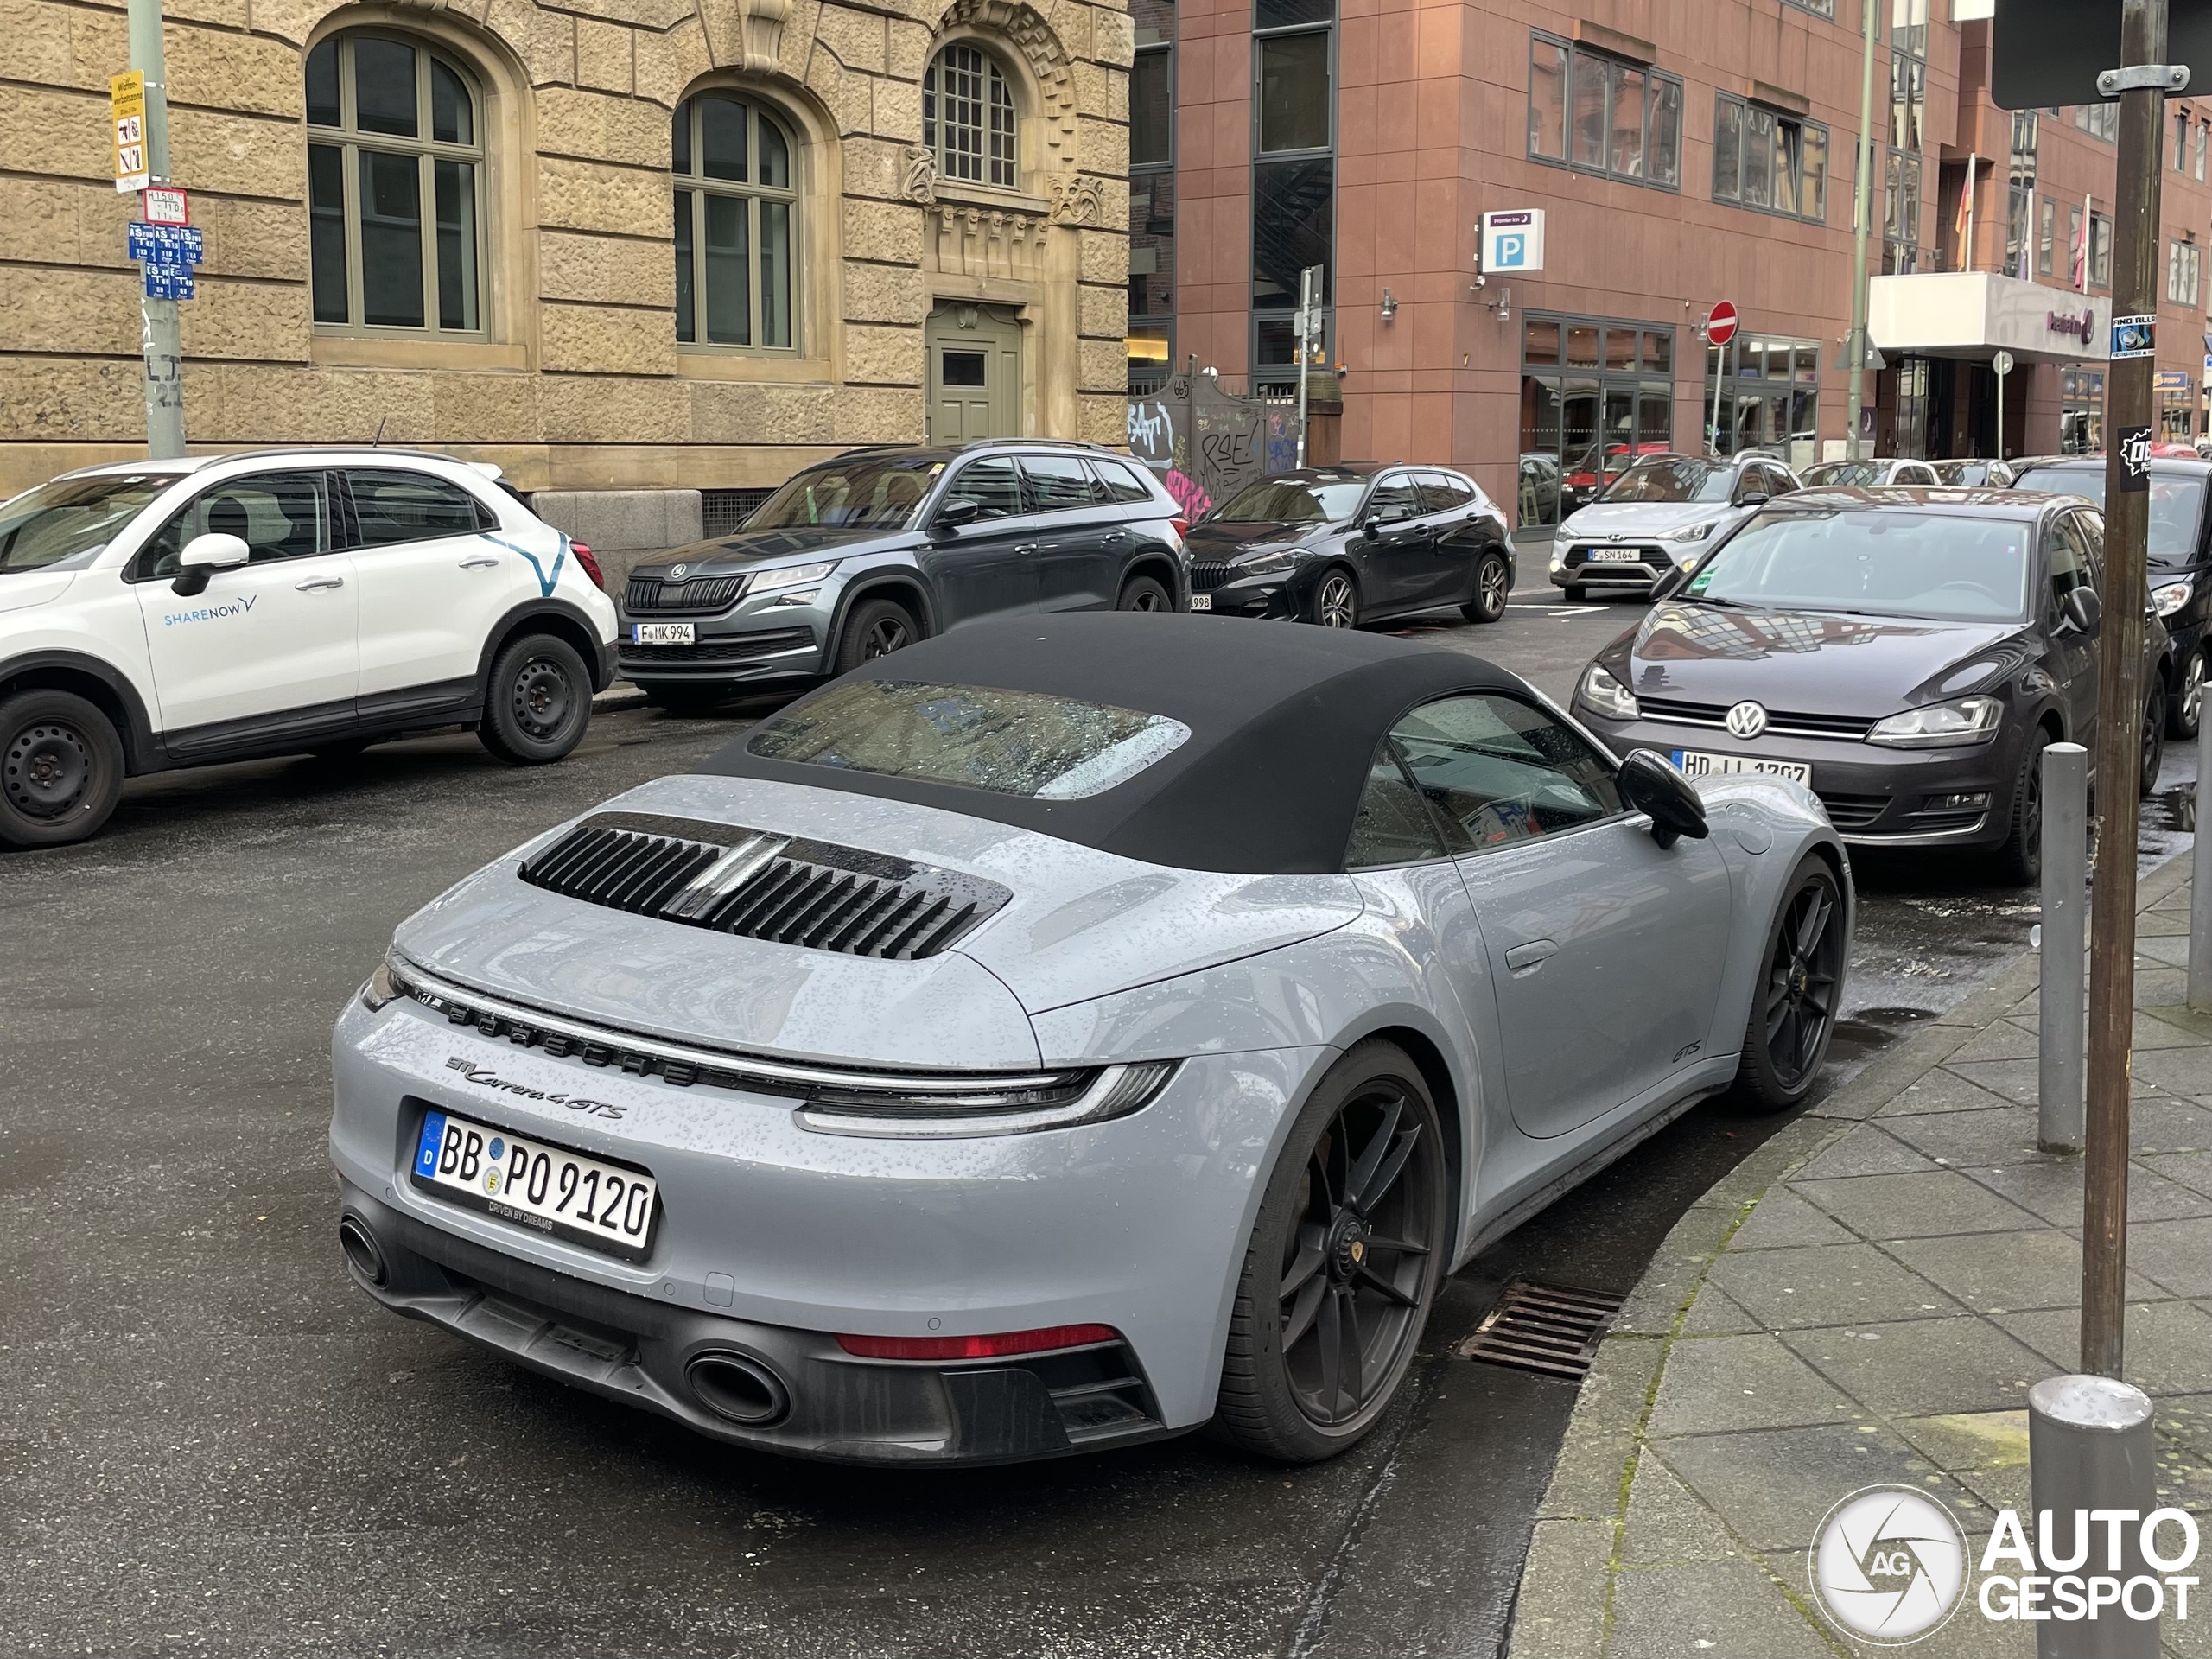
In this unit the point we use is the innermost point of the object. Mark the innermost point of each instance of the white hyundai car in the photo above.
(164, 613)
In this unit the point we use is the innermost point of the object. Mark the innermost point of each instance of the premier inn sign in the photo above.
(1978, 314)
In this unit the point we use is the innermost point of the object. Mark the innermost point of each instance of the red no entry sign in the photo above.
(1720, 327)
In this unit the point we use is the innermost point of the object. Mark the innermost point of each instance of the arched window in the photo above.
(968, 116)
(394, 187)
(734, 204)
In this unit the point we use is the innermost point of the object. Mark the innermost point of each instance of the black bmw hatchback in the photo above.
(1352, 543)
(1907, 654)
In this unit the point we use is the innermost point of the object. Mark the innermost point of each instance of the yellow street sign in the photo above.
(126, 95)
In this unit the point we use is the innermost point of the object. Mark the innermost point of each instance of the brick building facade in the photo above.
(1682, 154)
(608, 244)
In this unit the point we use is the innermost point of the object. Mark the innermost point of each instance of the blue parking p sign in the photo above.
(1513, 241)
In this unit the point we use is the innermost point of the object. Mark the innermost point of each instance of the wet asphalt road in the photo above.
(211, 1444)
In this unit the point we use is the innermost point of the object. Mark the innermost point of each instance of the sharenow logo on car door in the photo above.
(432, 583)
(273, 637)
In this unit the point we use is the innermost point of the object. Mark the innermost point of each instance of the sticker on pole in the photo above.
(167, 204)
(2135, 460)
(2134, 337)
(126, 97)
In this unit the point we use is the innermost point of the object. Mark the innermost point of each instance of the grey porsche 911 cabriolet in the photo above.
(1064, 1032)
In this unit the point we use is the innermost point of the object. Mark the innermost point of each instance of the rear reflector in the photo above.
(991, 1347)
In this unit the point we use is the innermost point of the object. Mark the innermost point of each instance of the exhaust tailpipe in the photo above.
(360, 1248)
(742, 1389)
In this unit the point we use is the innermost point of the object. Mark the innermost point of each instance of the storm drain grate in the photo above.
(1549, 1329)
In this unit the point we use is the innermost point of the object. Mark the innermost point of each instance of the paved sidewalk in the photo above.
(1867, 1299)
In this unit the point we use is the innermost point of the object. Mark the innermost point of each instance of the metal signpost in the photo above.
(1719, 329)
(140, 108)
(1308, 325)
(2003, 363)
(1863, 208)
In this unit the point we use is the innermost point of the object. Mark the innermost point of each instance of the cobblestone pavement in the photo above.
(1866, 1300)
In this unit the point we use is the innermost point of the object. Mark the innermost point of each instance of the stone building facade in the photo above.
(609, 245)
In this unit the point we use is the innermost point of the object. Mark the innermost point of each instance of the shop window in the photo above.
(395, 187)
(1765, 160)
(1604, 115)
(1594, 395)
(1769, 395)
(968, 116)
(736, 201)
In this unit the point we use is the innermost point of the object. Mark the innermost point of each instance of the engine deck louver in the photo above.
(805, 893)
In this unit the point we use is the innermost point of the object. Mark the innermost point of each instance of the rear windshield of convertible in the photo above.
(1024, 743)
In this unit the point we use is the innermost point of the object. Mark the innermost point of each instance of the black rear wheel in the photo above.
(537, 702)
(2020, 859)
(1794, 999)
(1145, 593)
(876, 628)
(2154, 737)
(1343, 1265)
(1493, 585)
(61, 769)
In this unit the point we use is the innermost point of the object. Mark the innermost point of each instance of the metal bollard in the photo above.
(2199, 878)
(2090, 1448)
(2061, 1044)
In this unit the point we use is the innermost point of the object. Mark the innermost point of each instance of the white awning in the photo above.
(1975, 313)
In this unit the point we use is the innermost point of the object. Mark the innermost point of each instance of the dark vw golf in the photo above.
(1907, 653)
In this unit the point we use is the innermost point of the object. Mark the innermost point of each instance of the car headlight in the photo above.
(790, 575)
(1272, 563)
(388, 984)
(2171, 596)
(1687, 532)
(1608, 697)
(1940, 725)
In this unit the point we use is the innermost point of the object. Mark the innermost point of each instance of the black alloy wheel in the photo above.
(1493, 586)
(1795, 1000)
(2187, 707)
(1145, 593)
(1336, 600)
(2020, 859)
(61, 768)
(876, 628)
(537, 702)
(2154, 738)
(1343, 1266)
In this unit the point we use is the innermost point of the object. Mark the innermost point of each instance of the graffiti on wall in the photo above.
(1205, 444)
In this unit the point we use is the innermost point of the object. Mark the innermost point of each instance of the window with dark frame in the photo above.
(968, 117)
(736, 202)
(1604, 115)
(1151, 338)
(1769, 161)
(395, 187)
(1293, 178)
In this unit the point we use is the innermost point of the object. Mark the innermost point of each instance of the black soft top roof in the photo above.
(1284, 722)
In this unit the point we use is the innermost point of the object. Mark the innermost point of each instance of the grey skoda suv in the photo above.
(857, 557)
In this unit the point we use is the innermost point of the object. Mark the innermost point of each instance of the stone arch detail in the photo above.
(1040, 48)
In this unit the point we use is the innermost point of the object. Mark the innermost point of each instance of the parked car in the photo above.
(1343, 545)
(163, 613)
(1906, 654)
(862, 556)
(1976, 474)
(1660, 512)
(1584, 479)
(1072, 1030)
(1873, 471)
(2180, 564)
(1540, 481)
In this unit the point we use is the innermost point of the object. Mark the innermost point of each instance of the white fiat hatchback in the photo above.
(164, 613)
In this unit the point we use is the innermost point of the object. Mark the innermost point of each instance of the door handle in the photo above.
(480, 563)
(314, 584)
(1026, 547)
(1523, 958)
(1118, 536)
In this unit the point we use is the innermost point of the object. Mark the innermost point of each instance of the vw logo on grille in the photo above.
(1746, 719)
(677, 572)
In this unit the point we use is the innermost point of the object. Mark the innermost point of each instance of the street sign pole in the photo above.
(2120, 687)
(1308, 325)
(160, 338)
(2003, 365)
(1871, 21)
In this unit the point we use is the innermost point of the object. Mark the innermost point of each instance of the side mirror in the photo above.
(1753, 498)
(1670, 584)
(1649, 785)
(1372, 524)
(203, 555)
(961, 509)
(2083, 612)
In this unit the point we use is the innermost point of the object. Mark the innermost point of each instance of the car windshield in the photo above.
(1843, 473)
(1880, 562)
(1677, 479)
(1009, 742)
(70, 516)
(851, 495)
(1291, 501)
(2177, 502)
(1963, 472)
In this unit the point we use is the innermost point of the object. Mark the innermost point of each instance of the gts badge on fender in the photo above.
(1686, 1050)
(484, 1078)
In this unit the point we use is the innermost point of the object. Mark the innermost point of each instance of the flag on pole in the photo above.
(1962, 225)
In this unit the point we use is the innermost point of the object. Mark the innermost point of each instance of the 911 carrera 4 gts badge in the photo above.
(484, 1078)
